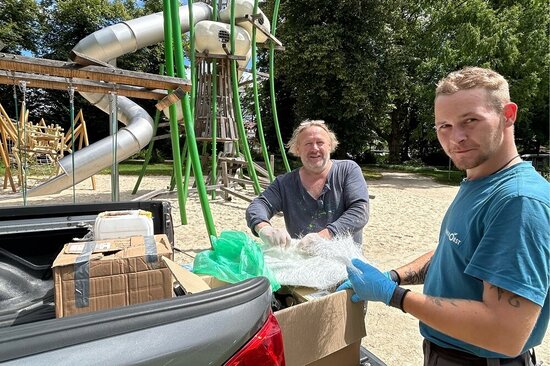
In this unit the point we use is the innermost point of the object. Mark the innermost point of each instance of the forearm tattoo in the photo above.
(511, 298)
(439, 301)
(416, 277)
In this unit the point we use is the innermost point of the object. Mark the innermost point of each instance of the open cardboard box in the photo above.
(322, 329)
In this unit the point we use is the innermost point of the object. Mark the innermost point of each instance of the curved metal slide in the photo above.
(106, 45)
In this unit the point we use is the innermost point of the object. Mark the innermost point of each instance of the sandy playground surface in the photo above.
(404, 223)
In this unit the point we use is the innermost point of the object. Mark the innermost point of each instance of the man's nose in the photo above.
(458, 133)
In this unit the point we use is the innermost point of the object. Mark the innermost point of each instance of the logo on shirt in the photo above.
(453, 237)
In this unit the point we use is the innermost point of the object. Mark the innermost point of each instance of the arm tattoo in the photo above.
(513, 300)
(416, 277)
(439, 301)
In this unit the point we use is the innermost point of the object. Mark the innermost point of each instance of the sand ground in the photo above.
(404, 223)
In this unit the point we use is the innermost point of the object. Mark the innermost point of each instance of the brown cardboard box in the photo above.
(105, 274)
(325, 329)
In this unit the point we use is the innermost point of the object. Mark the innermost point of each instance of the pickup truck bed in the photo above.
(206, 328)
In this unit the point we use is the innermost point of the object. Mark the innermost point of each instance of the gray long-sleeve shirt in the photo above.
(342, 207)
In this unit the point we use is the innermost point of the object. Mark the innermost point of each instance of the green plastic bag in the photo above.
(235, 257)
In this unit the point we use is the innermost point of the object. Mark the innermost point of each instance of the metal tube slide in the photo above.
(106, 45)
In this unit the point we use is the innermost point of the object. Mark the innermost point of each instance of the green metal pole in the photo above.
(192, 57)
(237, 105)
(149, 152)
(214, 169)
(184, 158)
(185, 153)
(174, 130)
(257, 100)
(272, 85)
(190, 128)
(214, 70)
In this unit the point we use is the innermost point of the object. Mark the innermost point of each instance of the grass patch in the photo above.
(443, 176)
(134, 168)
(371, 174)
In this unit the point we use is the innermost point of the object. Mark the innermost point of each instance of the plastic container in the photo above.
(123, 224)
(211, 36)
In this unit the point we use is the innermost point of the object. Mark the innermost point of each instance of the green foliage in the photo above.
(19, 25)
(369, 68)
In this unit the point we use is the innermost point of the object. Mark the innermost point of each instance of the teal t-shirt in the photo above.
(496, 230)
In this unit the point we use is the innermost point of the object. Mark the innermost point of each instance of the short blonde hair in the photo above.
(476, 77)
(293, 142)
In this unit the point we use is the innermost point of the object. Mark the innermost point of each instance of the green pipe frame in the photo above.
(214, 169)
(174, 131)
(265, 155)
(189, 126)
(272, 86)
(237, 106)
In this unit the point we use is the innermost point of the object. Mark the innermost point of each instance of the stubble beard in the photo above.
(318, 166)
(484, 155)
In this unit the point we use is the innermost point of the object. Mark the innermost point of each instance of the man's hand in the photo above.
(368, 283)
(274, 236)
(307, 243)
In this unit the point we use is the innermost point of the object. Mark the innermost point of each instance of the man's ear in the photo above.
(510, 111)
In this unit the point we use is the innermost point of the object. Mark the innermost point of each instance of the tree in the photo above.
(20, 22)
(369, 68)
(511, 38)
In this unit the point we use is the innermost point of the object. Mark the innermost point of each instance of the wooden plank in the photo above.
(259, 73)
(170, 99)
(81, 85)
(247, 181)
(16, 63)
(262, 28)
(241, 196)
(219, 56)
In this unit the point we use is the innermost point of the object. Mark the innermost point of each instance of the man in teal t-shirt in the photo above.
(486, 285)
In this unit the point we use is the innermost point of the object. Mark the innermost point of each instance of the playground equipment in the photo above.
(35, 149)
(224, 51)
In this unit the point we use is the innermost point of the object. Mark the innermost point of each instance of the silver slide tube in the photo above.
(106, 45)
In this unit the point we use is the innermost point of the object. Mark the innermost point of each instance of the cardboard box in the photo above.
(324, 330)
(105, 274)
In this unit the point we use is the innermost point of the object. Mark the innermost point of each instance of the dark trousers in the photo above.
(435, 355)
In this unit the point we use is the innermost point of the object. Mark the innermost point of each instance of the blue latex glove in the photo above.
(368, 283)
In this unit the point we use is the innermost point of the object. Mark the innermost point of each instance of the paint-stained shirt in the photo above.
(342, 207)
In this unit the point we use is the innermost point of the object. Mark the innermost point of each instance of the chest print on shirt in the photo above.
(453, 237)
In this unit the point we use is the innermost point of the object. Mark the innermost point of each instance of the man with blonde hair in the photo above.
(321, 199)
(485, 297)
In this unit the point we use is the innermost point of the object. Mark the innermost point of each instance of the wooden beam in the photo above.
(247, 181)
(262, 28)
(16, 63)
(220, 56)
(241, 196)
(81, 85)
(170, 99)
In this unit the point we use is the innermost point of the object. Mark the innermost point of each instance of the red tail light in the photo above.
(266, 348)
